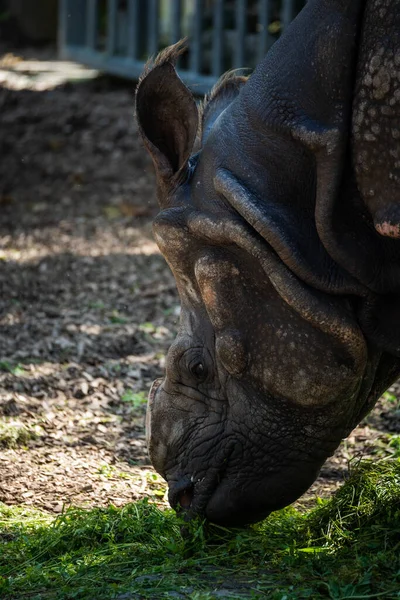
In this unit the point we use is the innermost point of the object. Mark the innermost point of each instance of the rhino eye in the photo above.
(198, 370)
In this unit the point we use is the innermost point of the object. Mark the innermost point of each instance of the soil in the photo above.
(88, 306)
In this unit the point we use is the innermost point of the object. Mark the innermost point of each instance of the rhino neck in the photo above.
(292, 118)
(304, 84)
(292, 122)
(362, 227)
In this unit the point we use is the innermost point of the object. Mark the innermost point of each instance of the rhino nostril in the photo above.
(185, 497)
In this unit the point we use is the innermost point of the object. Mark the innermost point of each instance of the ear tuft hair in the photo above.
(228, 82)
(222, 94)
(170, 54)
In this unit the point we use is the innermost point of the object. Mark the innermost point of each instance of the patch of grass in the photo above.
(97, 305)
(147, 327)
(386, 446)
(156, 485)
(112, 472)
(389, 397)
(394, 445)
(12, 368)
(345, 548)
(136, 399)
(392, 400)
(117, 319)
(107, 470)
(152, 332)
(14, 434)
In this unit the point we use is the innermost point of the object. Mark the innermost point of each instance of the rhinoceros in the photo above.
(280, 219)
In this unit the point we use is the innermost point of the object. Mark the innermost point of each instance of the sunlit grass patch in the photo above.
(371, 496)
(394, 445)
(391, 398)
(135, 399)
(9, 367)
(347, 547)
(13, 433)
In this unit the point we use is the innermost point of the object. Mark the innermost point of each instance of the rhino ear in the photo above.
(221, 96)
(168, 119)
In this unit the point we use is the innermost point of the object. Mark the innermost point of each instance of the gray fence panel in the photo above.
(288, 12)
(195, 36)
(133, 29)
(241, 16)
(176, 10)
(266, 40)
(153, 26)
(117, 36)
(72, 24)
(218, 38)
(91, 20)
(111, 27)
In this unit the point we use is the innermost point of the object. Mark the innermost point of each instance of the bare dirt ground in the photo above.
(88, 306)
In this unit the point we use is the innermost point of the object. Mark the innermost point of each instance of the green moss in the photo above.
(347, 547)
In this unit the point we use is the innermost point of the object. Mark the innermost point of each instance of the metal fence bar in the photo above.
(63, 26)
(263, 22)
(241, 15)
(111, 26)
(91, 24)
(196, 30)
(176, 8)
(218, 40)
(153, 26)
(288, 12)
(133, 29)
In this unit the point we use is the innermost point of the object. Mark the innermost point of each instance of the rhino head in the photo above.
(271, 367)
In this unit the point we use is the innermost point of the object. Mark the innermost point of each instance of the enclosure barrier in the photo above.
(117, 36)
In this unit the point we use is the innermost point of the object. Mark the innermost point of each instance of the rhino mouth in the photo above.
(192, 495)
(191, 498)
(182, 494)
(186, 496)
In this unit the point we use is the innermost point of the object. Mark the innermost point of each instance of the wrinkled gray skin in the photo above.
(282, 232)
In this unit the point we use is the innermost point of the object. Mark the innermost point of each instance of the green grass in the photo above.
(13, 433)
(348, 547)
(391, 398)
(117, 319)
(9, 367)
(137, 400)
(394, 445)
